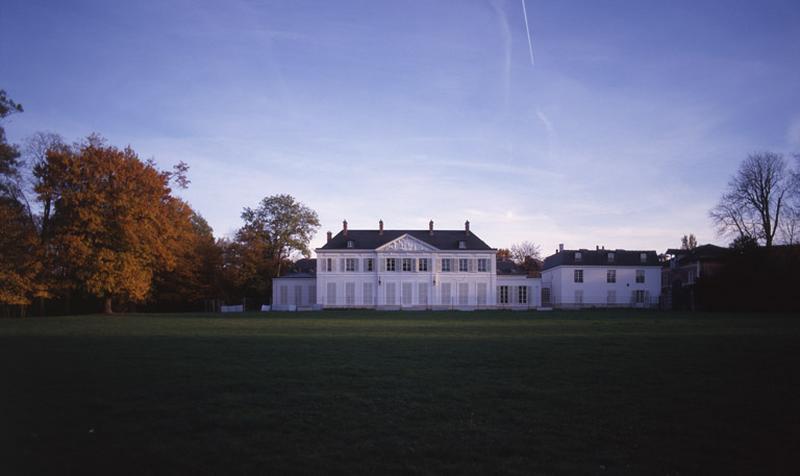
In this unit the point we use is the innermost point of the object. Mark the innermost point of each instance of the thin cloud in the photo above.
(528, 31)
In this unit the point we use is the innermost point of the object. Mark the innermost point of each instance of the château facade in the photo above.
(455, 269)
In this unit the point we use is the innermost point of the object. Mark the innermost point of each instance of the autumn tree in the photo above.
(527, 254)
(754, 203)
(198, 261)
(113, 225)
(283, 226)
(503, 254)
(19, 252)
(688, 242)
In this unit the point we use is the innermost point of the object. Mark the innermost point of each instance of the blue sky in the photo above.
(623, 133)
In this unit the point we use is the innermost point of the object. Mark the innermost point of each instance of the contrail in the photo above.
(528, 30)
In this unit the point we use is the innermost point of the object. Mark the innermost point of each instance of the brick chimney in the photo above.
(430, 227)
(380, 227)
(344, 228)
(330, 235)
(466, 227)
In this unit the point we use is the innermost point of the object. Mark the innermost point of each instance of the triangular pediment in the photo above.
(406, 243)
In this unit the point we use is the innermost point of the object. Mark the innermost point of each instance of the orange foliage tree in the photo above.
(114, 221)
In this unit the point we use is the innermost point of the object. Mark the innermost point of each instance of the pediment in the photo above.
(406, 243)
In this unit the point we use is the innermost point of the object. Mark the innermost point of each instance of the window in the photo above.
(463, 265)
(446, 265)
(391, 264)
(407, 264)
(523, 295)
(391, 294)
(611, 298)
(367, 298)
(643, 257)
(462, 245)
(350, 264)
(423, 264)
(640, 295)
(350, 294)
(690, 277)
(329, 265)
(483, 265)
(463, 294)
(639, 275)
(481, 294)
(368, 266)
(503, 294)
(611, 276)
(545, 296)
(578, 275)
(331, 293)
(446, 294)
(406, 296)
(578, 256)
(611, 257)
(350, 244)
(423, 294)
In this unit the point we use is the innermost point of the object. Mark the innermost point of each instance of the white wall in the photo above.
(595, 288)
(381, 280)
(514, 282)
(293, 291)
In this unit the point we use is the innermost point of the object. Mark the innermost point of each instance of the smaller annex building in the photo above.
(601, 278)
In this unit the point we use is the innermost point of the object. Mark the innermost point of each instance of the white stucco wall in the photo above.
(595, 288)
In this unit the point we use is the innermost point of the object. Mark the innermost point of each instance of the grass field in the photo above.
(610, 392)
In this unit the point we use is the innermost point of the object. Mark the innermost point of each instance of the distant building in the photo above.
(455, 269)
(407, 269)
(601, 278)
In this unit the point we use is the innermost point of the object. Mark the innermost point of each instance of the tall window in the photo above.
(545, 296)
(611, 276)
(643, 257)
(350, 264)
(579, 296)
(483, 265)
(578, 275)
(523, 295)
(463, 265)
(446, 265)
(578, 256)
(407, 264)
(391, 264)
(639, 275)
(329, 265)
(423, 264)
(640, 295)
(503, 294)
(369, 264)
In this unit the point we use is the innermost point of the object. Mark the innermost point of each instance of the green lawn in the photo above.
(368, 392)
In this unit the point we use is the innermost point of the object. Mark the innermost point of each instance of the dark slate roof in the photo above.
(305, 265)
(600, 258)
(441, 239)
(302, 268)
(299, 275)
(509, 267)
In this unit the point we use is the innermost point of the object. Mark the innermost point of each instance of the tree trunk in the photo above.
(107, 306)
